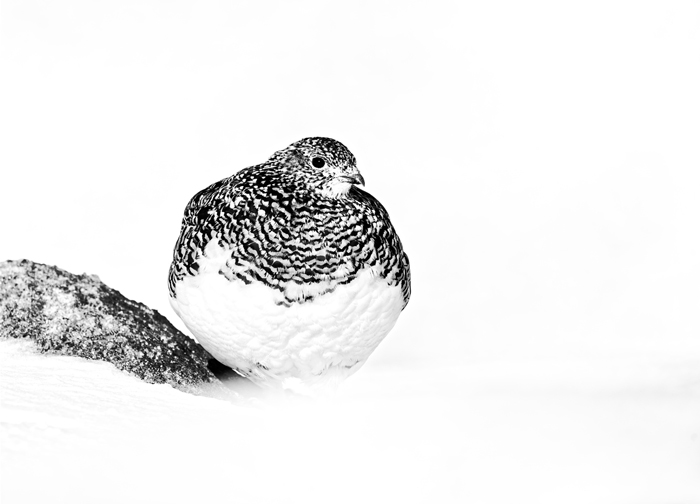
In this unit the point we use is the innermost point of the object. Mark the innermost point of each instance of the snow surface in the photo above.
(608, 432)
(539, 161)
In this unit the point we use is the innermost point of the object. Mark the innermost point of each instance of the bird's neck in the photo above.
(335, 190)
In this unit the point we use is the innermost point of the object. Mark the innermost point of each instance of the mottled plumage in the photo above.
(286, 270)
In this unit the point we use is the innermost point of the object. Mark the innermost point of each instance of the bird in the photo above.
(287, 272)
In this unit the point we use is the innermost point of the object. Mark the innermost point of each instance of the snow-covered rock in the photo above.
(78, 315)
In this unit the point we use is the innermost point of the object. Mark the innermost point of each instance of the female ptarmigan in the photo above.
(286, 271)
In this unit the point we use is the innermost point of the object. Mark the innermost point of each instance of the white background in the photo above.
(539, 160)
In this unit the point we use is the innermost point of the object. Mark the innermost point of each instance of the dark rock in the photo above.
(78, 315)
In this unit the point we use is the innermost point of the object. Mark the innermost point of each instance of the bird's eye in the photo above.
(318, 162)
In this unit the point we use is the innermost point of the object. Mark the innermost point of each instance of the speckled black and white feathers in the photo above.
(296, 223)
(287, 272)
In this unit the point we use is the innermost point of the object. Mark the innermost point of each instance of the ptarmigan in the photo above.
(288, 272)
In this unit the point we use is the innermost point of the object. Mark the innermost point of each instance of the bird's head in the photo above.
(322, 164)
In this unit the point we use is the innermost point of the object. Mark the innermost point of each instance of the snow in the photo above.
(74, 430)
(539, 161)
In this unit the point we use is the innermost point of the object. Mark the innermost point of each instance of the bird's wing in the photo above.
(394, 261)
(211, 200)
(205, 216)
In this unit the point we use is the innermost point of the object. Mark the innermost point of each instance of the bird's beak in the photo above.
(354, 178)
(358, 179)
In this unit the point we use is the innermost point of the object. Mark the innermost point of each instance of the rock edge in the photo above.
(78, 315)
